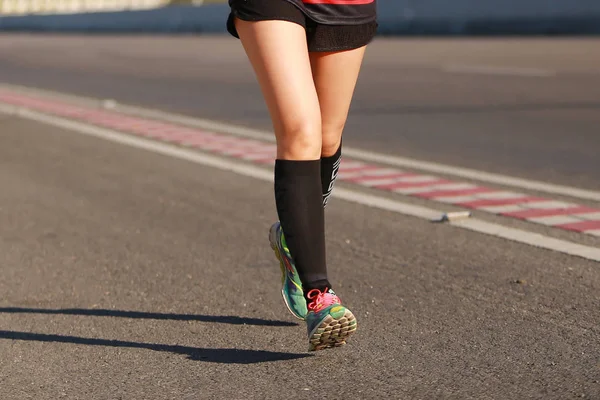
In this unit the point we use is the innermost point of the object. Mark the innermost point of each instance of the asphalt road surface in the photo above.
(520, 107)
(128, 274)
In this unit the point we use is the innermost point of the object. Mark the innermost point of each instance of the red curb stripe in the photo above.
(362, 173)
(368, 178)
(455, 193)
(581, 226)
(196, 141)
(500, 202)
(408, 185)
(180, 137)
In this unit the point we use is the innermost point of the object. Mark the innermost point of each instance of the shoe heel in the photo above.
(333, 332)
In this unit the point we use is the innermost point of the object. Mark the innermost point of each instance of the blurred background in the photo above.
(396, 16)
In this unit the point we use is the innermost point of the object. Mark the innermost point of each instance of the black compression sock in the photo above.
(299, 205)
(329, 170)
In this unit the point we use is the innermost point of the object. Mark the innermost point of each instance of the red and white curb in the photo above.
(539, 210)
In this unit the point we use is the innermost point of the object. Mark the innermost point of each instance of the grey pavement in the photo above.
(543, 128)
(132, 275)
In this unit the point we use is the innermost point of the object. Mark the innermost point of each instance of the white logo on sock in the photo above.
(334, 174)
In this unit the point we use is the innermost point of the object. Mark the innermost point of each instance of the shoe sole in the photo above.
(275, 248)
(332, 332)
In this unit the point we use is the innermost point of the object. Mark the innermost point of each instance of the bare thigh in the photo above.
(335, 75)
(279, 56)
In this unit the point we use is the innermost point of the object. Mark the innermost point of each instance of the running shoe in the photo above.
(291, 286)
(328, 322)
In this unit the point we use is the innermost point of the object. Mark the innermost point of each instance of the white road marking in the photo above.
(455, 199)
(349, 175)
(418, 179)
(352, 164)
(378, 182)
(533, 239)
(358, 154)
(474, 174)
(516, 235)
(498, 70)
(502, 209)
(499, 195)
(413, 190)
(374, 173)
(258, 156)
(451, 187)
(547, 205)
(589, 216)
(554, 220)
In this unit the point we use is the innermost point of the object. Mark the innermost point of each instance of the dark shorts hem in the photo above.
(320, 37)
(233, 14)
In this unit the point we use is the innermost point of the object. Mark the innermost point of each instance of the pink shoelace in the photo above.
(321, 300)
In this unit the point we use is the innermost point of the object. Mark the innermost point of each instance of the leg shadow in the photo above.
(222, 356)
(147, 315)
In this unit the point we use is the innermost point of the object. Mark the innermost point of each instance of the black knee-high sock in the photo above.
(298, 198)
(329, 170)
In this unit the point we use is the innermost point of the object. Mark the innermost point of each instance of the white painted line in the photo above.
(595, 232)
(218, 146)
(8, 109)
(500, 195)
(382, 171)
(351, 164)
(455, 199)
(554, 220)
(378, 182)
(249, 151)
(595, 216)
(452, 187)
(142, 143)
(448, 186)
(516, 235)
(358, 154)
(473, 174)
(259, 156)
(547, 205)
(498, 70)
(412, 190)
(348, 175)
(418, 179)
(502, 209)
(379, 177)
(533, 239)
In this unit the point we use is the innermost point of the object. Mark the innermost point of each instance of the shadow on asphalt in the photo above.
(222, 356)
(148, 315)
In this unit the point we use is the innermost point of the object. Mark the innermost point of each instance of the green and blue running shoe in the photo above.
(328, 322)
(291, 286)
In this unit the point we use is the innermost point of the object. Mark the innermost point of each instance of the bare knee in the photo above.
(300, 140)
(332, 138)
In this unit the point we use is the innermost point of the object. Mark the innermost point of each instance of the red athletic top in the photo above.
(342, 12)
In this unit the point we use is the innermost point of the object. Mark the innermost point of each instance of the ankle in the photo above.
(321, 286)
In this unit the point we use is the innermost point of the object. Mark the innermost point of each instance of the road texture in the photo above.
(534, 114)
(128, 274)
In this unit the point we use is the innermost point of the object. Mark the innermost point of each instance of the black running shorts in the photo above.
(320, 37)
